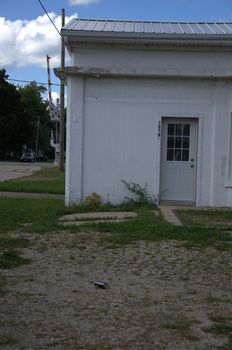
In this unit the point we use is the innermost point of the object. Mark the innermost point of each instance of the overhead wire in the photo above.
(49, 17)
(31, 81)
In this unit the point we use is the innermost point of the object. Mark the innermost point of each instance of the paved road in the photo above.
(13, 170)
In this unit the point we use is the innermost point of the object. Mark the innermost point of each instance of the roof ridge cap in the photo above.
(151, 21)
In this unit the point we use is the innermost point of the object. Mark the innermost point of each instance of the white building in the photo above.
(149, 102)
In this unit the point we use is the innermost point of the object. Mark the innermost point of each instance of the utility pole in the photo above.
(37, 136)
(62, 97)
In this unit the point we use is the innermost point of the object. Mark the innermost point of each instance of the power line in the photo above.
(31, 81)
(49, 17)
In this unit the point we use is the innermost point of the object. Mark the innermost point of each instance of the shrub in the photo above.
(93, 199)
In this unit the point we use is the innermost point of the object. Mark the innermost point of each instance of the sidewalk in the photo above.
(169, 214)
(31, 195)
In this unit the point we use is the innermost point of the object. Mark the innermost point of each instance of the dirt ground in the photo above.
(161, 296)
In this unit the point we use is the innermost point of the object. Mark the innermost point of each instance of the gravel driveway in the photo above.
(161, 296)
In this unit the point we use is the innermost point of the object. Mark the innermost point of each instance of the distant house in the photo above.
(149, 102)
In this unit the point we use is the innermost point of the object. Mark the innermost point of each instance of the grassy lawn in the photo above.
(40, 215)
(158, 289)
(46, 180)
(209, 217)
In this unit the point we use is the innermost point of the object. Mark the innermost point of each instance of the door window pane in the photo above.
(170, 142)
(185, 155)
(171, 128)
(170, 153)
(178, 142)
(185, 142)
(186, 129)
(177, 154)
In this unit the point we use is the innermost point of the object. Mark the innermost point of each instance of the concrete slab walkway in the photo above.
(169, 214)
(96, 217)
(30, 195)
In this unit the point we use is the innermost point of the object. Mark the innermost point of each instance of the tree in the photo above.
(14, 121)
(36, 108)
(20, 110)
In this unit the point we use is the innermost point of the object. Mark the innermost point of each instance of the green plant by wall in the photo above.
(93, 199)
(140, 194)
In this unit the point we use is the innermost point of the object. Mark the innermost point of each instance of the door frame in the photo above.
(199, 118)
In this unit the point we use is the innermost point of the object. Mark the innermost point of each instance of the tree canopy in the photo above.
(20, 109)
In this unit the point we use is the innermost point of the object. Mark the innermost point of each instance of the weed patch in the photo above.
(2, 284)
(6, 340)
(7, 242)
(182, 328)
(10, 259)
(179, 326)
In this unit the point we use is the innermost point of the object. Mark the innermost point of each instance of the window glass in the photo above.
(185, 142)
(178, 154)
(170, 153)
(171, 128)
(185, 155)
(186, 130)
(230, 152)
(170, 142)
(179, 129)
(178, 142)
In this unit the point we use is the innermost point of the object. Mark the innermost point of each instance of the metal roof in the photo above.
(149, 27)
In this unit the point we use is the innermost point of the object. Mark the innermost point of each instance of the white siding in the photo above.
(120, 138)
(173, 62)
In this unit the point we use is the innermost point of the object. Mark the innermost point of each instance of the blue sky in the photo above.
(26, 36)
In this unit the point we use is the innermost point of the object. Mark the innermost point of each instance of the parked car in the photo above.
(27, 157)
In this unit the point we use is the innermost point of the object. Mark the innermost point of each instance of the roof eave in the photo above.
(144, 38)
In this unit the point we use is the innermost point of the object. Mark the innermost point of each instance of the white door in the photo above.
(178, 159)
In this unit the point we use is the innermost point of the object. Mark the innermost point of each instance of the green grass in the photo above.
(209, 217)
(2, 284)
(149, 227)
(46, 180)
(178, 325)
(26, 214)
(182, 327)
(9, 256)
(40, 215)
(8, 242)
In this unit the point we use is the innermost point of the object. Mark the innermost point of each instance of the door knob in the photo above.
(191, 166)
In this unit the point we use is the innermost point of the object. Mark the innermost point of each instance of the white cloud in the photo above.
(83, 2)
(55, 96)
(24, 42)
